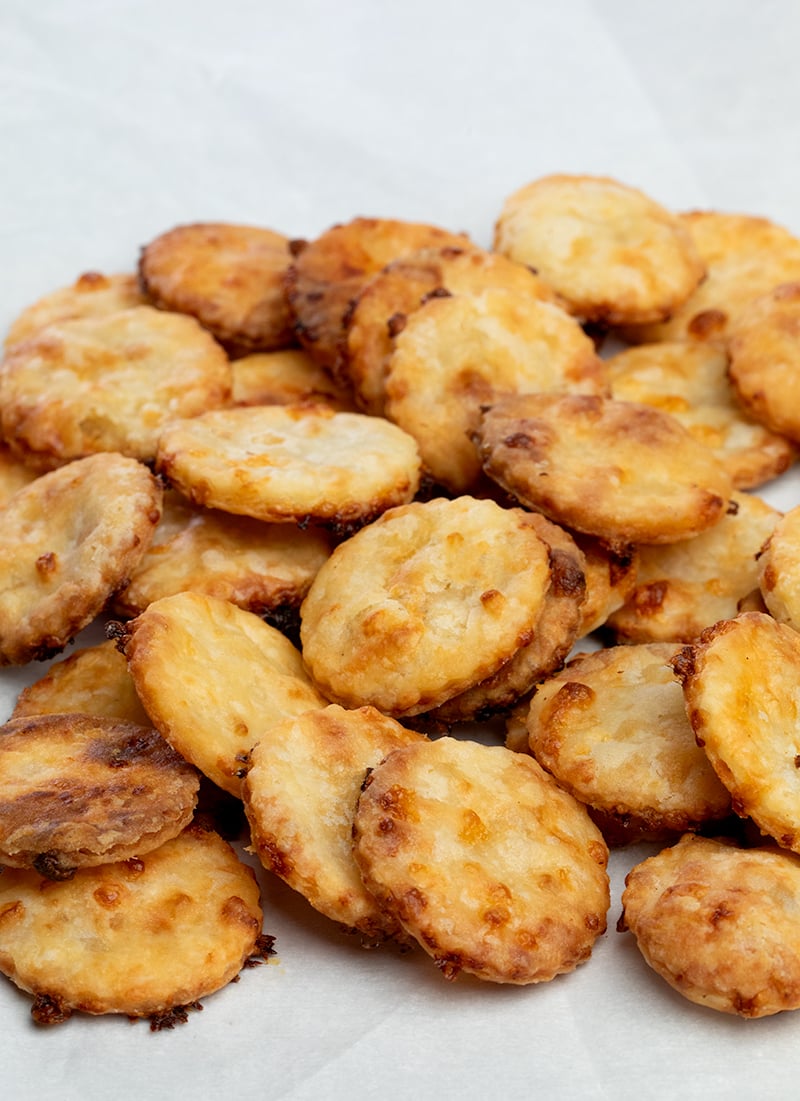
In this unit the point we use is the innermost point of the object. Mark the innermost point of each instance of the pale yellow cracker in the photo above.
(554, 633)
(719, 924)
(82, 790)
(291, 462)
(745, 256)
(612, 728)
(779, 570)
(67, 541)
(483, 859)
(611, 252)
(382, 309)
(286, 377)
(690, 381)
(624, 472)
(459, 353)
(423, 603)
(94, 680)
(212, 678)
(328, 273)
(139, 937)
(765, 359)
(686, 586)
(91, 295)
(255, 565)
(228, 276)
(300, 794)
(108, 384)
(740, 683)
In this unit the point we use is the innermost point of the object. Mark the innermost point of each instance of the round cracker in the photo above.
(684, 587)
(291, 462)
(382, 309)
(779, 570)
(458, 354)
(554, 633)
(765, 359)
(329, 272)
(81, 790)
(258, 566)
(423, 603)
(611, 252)
(228, 276)
(139, 937)
(213, 677)
(67, 541)
(745, 256)
(740, 685)
(300, 794)
(690, 381)
(624, 472)
(612, 729)
(94, 680)
(719, 924)
(490, 866)
(91, 295)
(108, 384)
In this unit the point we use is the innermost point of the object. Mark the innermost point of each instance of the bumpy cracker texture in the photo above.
(779, 570)
(94, 680)
(765, 359)
(91, 295)
(140, 937)
(624, 472)
(80, 790)
(67, 541)
(255, 565)
(690, 381)
(609, 251)
(382, 309)
(329, 272)
(108, 384)
(230, 277)
(458, 354)
(300, 795)
(612, 729)
(745, 256)
(686, 586)
(740, 682)
(284, 463)
(720, 924)
(610, 579)
(213, 678)
(423, 603)
(483, 859)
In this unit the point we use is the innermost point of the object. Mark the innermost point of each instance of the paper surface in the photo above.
(117, 122)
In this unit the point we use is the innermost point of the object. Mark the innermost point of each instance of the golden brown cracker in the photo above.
(81, 790)
(67, 541)
(140, 937)
(719, 924)
(423, 603)
(483, 859)
(228, 276)
(610, 251)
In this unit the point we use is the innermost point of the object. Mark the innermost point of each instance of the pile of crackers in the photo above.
(351, 506)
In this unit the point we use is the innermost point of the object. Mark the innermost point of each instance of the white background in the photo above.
(120, 120)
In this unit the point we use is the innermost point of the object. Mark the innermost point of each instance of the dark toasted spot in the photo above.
(707, 323)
